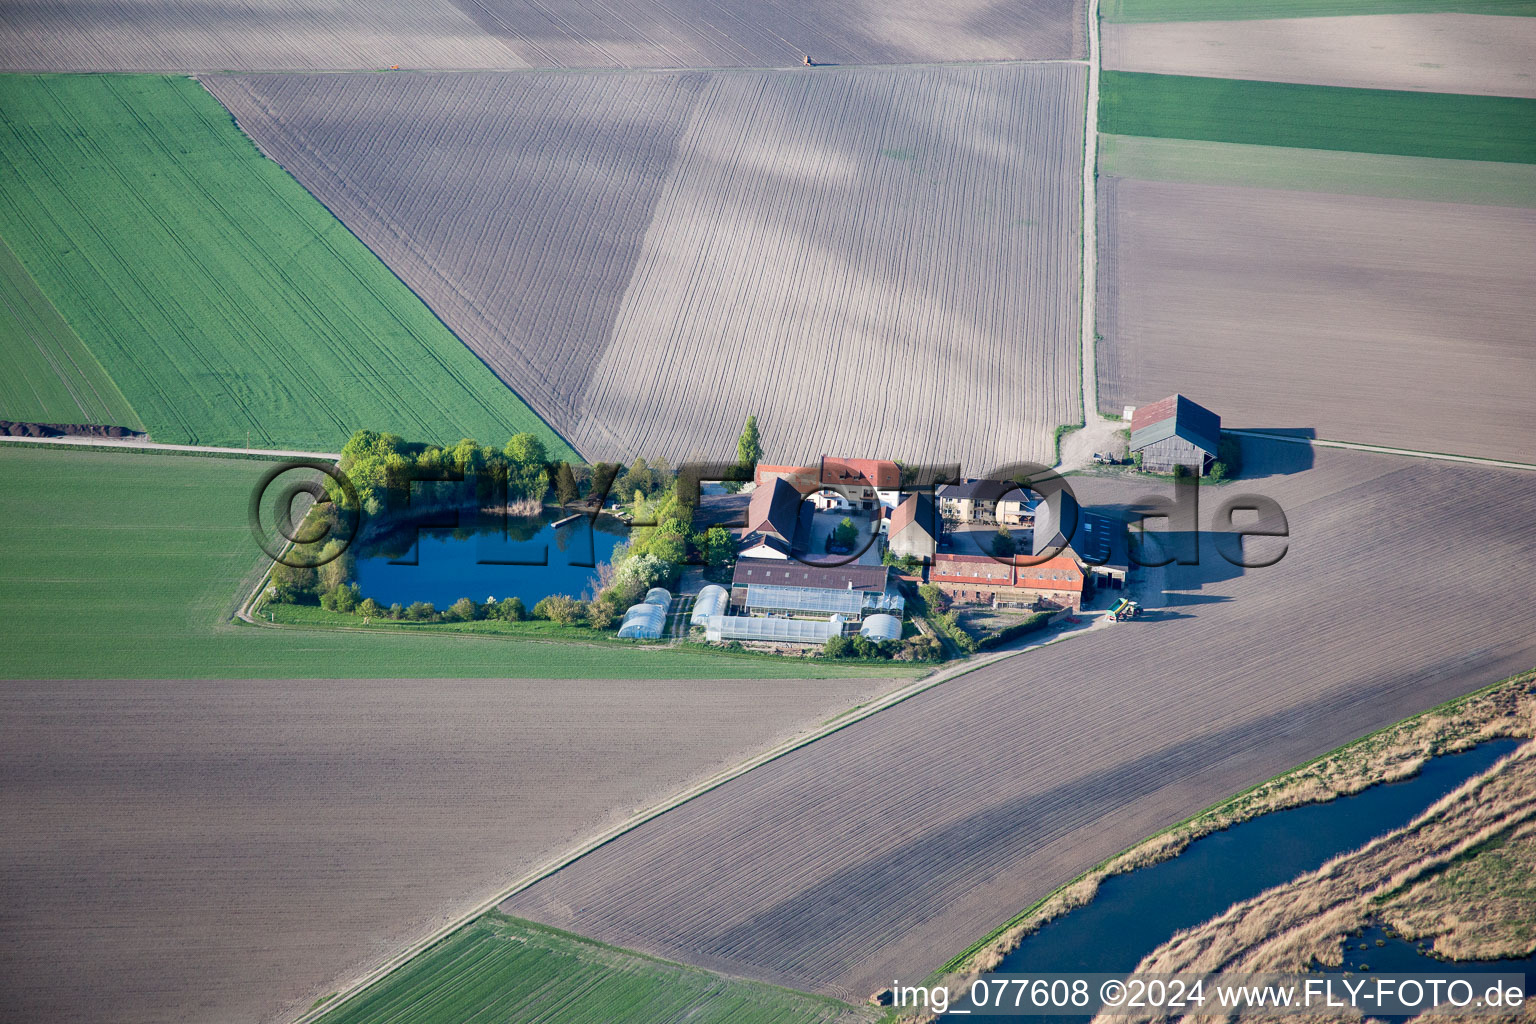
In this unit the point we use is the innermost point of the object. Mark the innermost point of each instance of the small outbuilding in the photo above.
(1175, 432)
(914, 527)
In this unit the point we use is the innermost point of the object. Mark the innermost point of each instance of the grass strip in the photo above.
(1443, 125)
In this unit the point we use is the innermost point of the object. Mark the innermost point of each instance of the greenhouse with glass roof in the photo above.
(773, 630)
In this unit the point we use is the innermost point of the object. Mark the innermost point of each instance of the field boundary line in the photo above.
(607, 70)
(155, 446)
(560, 861)
(1356, 446)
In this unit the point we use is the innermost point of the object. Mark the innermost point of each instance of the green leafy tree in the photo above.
(291, 584)
(463, 610)
(396, 611)
(370, 608)
(420, 611)
(638, 478)
(508, 609)
(526, 451)
(718, 546)
(566, 488)
(601, 615)
(1003, 545)
(749, 447)
(846, 535)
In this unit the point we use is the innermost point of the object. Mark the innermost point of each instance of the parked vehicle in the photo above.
(1124, 609)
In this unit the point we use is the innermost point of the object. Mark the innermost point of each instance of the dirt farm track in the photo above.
(884, 849)
(227, 852)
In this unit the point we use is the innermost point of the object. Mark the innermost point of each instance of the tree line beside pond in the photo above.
(390, 475)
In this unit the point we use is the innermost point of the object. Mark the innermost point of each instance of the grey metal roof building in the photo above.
(1057, 518)
(1175, 432)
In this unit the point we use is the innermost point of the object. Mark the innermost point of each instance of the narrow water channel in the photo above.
(1134, 913)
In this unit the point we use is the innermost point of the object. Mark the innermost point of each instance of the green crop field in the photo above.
(127, 566)
(223, 299)
(504, 969)
(1318, 117)
(47, 375)
(1234, 10)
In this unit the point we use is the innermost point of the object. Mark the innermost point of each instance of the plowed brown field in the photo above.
(867, 260)
(232, 851)
(1463, 53)
(886, 848)
(1386, 321)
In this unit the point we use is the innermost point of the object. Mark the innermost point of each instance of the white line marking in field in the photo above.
(1382, 449)
(152, 446)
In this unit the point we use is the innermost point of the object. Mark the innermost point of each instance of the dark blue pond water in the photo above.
(1387, 954)
(529, 559)
(1135, 913)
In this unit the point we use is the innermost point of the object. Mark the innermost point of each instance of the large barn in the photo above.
(1175, 432)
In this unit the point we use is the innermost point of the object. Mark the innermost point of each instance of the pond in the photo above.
(530, 558)
(1376, 952)
(1134, 913)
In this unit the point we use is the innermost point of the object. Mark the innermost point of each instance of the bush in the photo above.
(837, 647)
(508, 609)
(462, 610)
(396, 611)
(420, 611)
(343, 598)
(1229, 459)
(1034, 622)
(601, 615)
(371, 608)
(936, 600)
(923, 648)
(567, 611)
(291, 584)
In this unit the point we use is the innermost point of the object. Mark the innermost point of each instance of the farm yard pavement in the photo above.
(1460, 53)
(1384, 321)
(884, 849)
(648, 258)
(322, 35)
(232, 851)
